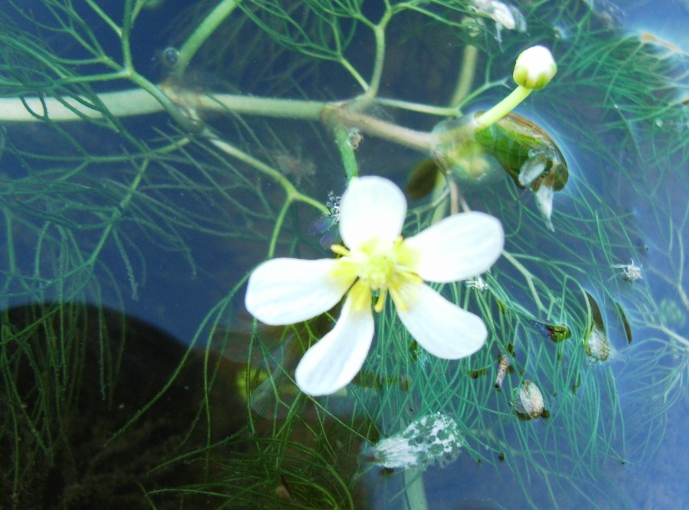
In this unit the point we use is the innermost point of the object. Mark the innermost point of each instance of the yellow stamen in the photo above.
(377, 265)
(381, 300)
(397, 299)
(361, 296)
(340, 250)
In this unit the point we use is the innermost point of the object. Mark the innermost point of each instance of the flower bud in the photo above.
(534, 68)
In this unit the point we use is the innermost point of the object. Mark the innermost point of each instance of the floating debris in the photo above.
(475, 374)
(630, 272)
(544, 203)
(355, 138)
(476, 283)
(529, 402)
(505, 15)
(555, 332)
(503, 366)
(597, 345)
(294, 164)
(596, 341)
(433, 439)
(169, 57)
(671, 313)
(327, 225)
(560, 32)
(607, 12)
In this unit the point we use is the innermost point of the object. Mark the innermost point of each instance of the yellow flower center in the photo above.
(378, 266)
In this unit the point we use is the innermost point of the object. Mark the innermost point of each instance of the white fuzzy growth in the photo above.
(530, 401)
(533, 167)
(544, 202)
(476, 283)
(630, 272)
(597, 345)
(503, 15)
(432, 439)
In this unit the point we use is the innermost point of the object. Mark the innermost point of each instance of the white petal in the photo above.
(371, 208)
(286, 291)
(458, 247)
(331, 364)
(442, 328)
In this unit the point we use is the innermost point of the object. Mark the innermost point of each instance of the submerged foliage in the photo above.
(124, 188)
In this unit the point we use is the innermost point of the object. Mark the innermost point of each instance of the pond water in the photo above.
(153, 153)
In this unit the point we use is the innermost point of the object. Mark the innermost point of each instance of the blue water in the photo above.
(176, 295)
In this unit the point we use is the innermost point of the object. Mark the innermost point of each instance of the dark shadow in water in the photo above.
(88, 470)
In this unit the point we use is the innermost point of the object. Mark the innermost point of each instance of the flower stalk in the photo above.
(533, 70)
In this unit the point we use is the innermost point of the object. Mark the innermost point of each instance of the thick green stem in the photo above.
(264, 106)
(175, 100)
(202, 33)
(343, 140)
(168, 105)
(466, 75)
(502, 108)
(417, 140)
(379, 33)
(154, 99)
(415, 490)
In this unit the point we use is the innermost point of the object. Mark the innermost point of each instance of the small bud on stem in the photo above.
(533, 70)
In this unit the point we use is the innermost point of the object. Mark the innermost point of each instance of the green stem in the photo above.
(264, 106)
(202, 33)
(415, 490)
(123, 206)
(10, 250)
(343, 141)
(277, 227)
(441, 111)
(127, 61)
(502, 108)
(440, 188)
(528, 277)
(379, 34)
(466, 75)
(154, 99)
(107, 19)
(290, 190)
(417, 140)
(166, 102)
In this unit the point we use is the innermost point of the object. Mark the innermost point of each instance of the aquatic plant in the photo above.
(119, 184)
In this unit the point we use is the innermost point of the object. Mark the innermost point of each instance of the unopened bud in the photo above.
(534, 68)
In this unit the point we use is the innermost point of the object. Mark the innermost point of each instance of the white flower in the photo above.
(535, 67)
(372, 212)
